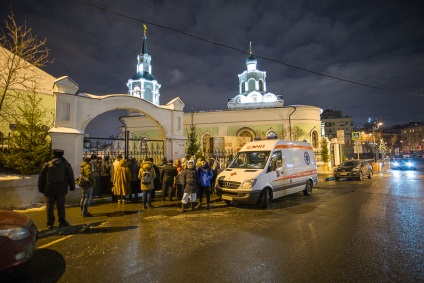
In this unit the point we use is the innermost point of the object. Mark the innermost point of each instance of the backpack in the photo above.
(146, 177)
(56, 171)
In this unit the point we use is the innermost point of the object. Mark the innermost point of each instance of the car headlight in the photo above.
(248, 184)
(15, 233)
(409, 164)
(396, 163)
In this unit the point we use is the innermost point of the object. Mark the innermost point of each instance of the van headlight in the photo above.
(248, 184)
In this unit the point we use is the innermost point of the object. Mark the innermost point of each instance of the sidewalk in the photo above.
(102, 209)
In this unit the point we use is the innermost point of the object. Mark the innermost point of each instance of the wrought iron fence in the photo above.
(133, 147)
(223, 156)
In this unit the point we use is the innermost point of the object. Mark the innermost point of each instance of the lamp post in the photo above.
(375, 145)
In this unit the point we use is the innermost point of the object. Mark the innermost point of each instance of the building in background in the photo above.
(334, 121)
(412, 139)
(27, 75)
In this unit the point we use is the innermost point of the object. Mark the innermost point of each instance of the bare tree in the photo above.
(21, 53)
(393, 140)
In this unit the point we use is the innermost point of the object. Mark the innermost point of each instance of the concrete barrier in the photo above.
(21, 192)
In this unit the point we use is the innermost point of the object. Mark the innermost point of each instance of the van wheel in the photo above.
(308, 189)
(370, 175)
(264, 199)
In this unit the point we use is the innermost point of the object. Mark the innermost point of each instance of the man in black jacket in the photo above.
(190, 182)
(54, 180)
(168, 173)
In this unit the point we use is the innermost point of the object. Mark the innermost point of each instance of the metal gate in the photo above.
(126, 144)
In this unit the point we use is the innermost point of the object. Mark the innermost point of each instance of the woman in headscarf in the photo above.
(122, 181)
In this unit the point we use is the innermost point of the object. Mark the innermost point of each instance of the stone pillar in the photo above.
(71, 141)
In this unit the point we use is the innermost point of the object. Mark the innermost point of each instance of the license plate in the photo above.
(343, 174)
(227, 198)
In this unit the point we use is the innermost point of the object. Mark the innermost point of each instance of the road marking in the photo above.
(54, 242)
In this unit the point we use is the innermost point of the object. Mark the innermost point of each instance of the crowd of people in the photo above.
(185, 180)
(180, 179)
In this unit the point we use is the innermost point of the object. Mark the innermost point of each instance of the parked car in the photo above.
(18, 235)
(353, 169)
(403, 164)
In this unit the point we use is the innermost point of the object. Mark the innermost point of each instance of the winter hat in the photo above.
(58, 152)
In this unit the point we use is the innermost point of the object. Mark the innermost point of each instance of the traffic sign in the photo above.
(356, 135)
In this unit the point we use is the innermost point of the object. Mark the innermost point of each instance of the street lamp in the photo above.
(375, 145)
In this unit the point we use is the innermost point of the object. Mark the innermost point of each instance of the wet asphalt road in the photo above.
(346, 231)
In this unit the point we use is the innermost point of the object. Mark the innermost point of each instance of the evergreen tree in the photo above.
(30, 145)
(193, 147)
(383, 148)
(325, 156)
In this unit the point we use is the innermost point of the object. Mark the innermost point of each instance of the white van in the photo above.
(267, 169)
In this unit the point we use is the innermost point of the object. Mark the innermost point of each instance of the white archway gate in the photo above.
(74, 112)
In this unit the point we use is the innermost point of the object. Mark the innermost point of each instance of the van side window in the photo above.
(276, 160)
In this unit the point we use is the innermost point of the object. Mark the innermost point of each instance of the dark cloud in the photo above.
(376, 43)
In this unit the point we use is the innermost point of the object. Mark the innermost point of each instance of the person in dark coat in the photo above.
(55, 178)
(157, 184)
(190, 182)
(167, 176)
(135, 181)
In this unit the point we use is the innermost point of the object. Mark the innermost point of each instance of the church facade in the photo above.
(254, 113)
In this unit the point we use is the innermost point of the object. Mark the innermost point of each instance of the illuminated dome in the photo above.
(143, 84)
(252, 89)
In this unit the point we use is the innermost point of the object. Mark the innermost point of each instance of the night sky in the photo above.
(376, 45)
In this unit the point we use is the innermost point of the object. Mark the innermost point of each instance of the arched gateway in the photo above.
(75, 111)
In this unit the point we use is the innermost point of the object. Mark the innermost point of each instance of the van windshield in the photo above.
(250, 159)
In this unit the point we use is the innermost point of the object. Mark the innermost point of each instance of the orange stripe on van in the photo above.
(305, 147)
(297, 175)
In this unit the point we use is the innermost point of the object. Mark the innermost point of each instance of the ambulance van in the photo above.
(267, 169)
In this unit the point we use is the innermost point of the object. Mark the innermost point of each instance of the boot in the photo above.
(192, 206)
(183, 207)
(199, 205)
